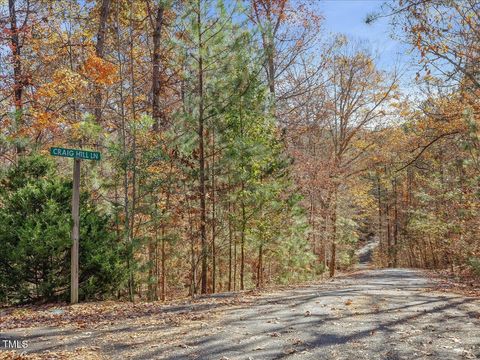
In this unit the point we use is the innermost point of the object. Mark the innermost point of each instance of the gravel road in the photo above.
(372, 314)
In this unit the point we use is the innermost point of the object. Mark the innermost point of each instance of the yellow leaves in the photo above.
(76, 131)
(405, 112)
(86, 130)
(45, 120)
(47, 91)
(155, 170)
(99, 71)
(49, 111)
(369, 64)
(361, 144)
(65, 82)
(360, 194)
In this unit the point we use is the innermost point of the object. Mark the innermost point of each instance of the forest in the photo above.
(242, 145)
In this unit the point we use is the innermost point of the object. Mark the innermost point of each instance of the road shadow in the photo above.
(368, 307)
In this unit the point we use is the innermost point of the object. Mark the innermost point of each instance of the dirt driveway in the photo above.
(372, 314)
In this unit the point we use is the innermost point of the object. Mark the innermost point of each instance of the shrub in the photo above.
(475, 265)
(35, 228)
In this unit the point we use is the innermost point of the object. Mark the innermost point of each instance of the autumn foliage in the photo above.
(242, 146)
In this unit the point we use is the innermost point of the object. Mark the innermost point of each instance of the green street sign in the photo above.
(78, 155)
(75, 153)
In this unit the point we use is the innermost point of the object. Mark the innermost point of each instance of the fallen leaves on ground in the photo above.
(109, 312)
(464, 284)
(79, 354)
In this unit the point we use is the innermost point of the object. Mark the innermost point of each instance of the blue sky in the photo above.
(348, 17)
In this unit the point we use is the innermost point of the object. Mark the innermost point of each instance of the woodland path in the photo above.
(370, 314)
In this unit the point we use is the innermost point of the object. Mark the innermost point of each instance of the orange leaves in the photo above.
(155, 169)
(99, 71)
(43, 119)
(64, 85)
(65, 82)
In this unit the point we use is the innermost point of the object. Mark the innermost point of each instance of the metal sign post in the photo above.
(75, 231)
(77, 155)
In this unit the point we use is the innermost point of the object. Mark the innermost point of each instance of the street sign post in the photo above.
(75, 232)
(77, 155)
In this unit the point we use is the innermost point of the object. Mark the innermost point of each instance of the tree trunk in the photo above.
(333, 217)
(99, 51)
(234, 264)
(163, 276)
(152, 268)
(189, 230)
(324, 242)
(395, 223)
(260, 267)
(18, 81)
(229, 248)
(123, 140)
(311, 220)
(389, 233)
(380, 224)
(214, 264)
(156, 79)
(201, 157)
(271, 66)
(242, 246)
(134, 141)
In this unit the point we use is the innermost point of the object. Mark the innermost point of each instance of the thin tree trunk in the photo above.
(269, 46)
(214, 264)
(151, 293)
(395, 223)
(123, 139)
(333, 216)
(271, 66)
(380, 223)
(325, 235)
(234, 264)
(117, 221)
(156, 79)
(201, 158)
(260, 267)
(18, 81)
(193, 275)
(99, 51)
(389, 233)
(155, 266)
(163, 280)
(134, 137)
(229, 247)
(242, 246)
(313, 239)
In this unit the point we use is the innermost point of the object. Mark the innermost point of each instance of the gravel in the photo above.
(371, 314)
